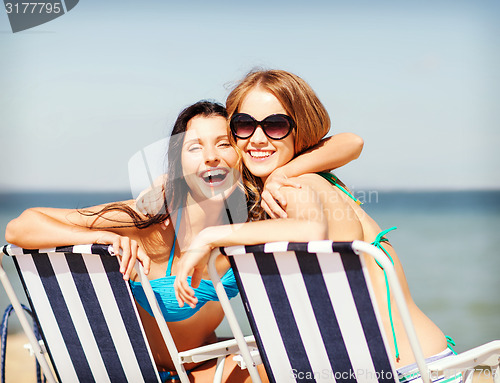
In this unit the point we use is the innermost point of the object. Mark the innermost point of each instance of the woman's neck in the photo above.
(198, 215)
(204, 213)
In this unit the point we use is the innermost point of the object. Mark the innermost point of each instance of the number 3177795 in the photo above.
(33, 7)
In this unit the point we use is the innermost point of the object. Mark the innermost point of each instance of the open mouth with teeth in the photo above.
(260, 154)
(215, 176)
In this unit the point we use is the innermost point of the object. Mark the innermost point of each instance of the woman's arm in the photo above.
(151, 201)
(306, 223)
(330, 153)
(314, 214)
(50, 227)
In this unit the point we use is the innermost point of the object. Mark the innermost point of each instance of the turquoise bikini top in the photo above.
(163, 289)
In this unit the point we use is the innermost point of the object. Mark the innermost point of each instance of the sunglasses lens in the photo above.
(276, 127)
(242, 125)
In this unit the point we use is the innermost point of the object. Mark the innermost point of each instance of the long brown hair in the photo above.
(301, 104)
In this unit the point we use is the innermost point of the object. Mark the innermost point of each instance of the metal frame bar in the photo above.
(231, 318)
(28, 330)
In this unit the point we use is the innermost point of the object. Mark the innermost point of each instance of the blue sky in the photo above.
(418, 80)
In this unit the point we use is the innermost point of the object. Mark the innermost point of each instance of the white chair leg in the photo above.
(496, 373)
(219, 369)
(468, 375)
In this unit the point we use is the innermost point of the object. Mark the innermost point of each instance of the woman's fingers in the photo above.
(267, 209)
(186, 297)
(271, 206)
(144, 259)
(118, 253)
(274, 190)
(273, 201)
(193, 261)
(129, 266)
(196, 278)
(128, 251)
(164, 224)
(183, 292)
(125, 246)
(292, 184)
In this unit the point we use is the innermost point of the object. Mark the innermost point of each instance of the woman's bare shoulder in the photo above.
(343, 222)
(314, 182)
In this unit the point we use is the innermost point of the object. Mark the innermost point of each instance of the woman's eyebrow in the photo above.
(199, 140)
(192, 141)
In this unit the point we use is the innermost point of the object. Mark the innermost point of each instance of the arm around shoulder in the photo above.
(331, 153)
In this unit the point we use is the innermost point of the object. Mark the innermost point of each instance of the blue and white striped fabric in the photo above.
(311, 311)
(87, 314)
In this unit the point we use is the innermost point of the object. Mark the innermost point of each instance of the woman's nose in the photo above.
(258, 137)
(211, 156)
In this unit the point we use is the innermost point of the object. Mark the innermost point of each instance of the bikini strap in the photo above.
(333, 179)
(377, 243)
(380, 238)
(172, 249)
(450, 344)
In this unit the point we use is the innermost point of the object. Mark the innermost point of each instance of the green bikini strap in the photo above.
(333, 179)
(450, 344)
(377, 243)
(380, 238)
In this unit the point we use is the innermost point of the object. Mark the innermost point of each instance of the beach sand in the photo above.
(20, 365)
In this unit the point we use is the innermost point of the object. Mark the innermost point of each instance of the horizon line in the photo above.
(354, 190)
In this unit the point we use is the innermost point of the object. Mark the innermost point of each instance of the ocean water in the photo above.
(448, 243)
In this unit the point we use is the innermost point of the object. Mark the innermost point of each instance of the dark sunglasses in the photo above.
(275, 126)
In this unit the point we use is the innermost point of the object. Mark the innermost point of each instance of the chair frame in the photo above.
(36, 347)
(217, 351)
(488, 354)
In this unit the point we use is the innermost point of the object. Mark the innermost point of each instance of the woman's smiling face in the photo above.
(208, 159)
(261, 154)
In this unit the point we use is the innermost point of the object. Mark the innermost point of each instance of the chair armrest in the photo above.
(213, 351)
(254, 352)
(486, 355)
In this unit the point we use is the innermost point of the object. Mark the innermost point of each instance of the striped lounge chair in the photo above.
(312, 311)
(90, 326)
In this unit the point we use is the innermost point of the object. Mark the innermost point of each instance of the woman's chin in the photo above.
(219, 192)
(261, 171)
(263, 168)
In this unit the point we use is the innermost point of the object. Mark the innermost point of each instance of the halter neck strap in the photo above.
(172, 249)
